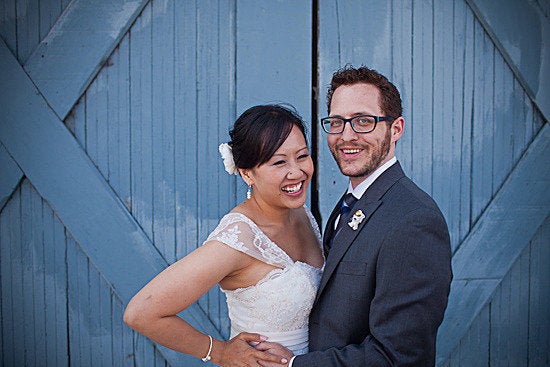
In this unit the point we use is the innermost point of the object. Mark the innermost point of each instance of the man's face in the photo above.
(360, 154)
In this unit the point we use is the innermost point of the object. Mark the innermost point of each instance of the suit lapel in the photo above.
(343, 241)
(368, 204)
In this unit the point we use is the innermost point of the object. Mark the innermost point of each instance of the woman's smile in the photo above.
(294, 189)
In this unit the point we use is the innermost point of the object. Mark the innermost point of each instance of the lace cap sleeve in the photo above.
(240, 233)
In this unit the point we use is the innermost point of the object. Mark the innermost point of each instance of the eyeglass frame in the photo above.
(377, 119)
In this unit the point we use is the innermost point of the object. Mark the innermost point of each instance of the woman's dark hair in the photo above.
(260, 131)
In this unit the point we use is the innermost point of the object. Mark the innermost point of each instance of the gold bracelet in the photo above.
(208, 357)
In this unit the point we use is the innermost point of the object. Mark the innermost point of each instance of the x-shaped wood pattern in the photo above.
(34, 142)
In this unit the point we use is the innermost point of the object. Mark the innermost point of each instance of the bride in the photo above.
(265, 254)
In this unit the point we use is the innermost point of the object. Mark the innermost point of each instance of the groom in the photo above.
(388, 266)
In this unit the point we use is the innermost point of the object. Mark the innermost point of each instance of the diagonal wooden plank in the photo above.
(496, 241)
(522, 46)
(10, 175)
(65, 176)
(90, 28)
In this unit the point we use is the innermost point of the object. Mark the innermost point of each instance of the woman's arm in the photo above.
(153, 310)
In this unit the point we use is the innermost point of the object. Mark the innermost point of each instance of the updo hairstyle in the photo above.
(260, 131)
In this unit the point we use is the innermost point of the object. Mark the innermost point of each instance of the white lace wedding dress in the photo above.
(278, 306)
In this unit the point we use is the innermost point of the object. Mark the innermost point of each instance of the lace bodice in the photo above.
(278, 306)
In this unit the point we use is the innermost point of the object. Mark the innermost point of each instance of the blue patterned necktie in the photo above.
(347, 204)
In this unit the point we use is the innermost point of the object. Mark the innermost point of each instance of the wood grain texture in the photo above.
(9, 177)
(87, 205)
(94, 29)
(476, 260)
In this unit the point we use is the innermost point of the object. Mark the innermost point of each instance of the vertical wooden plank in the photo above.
(93, 316)
(483, 123)
(99, 319)
(55, 289)
(455, 117)
(226, 107)
(445, 150)
(119, 121)
(261, 41)
(119, 352)
(500, 327)
(84, 293)
(28, 33)
(105, 322)
(76, 332)
(49, 286)
(1, 296)
(539, 297)
(76, 121)
(528, 115)
(17, 285)
(60, 277)
(144, 352)
(97, 128)
(401, 73)
(422, 118)
(6, 270)
(159, 359)
(185, 133)
(504, 123)
(519, 310)
(332, 182)
(8, 20)
(467, 100)
(163, 127)
(474, 347)
(123, 354)
(27, 295)
(366, 43)
(141, 143)
(516, 120)
(49, 13)
(207, 111)
(36, 208)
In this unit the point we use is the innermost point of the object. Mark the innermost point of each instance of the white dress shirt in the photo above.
(363, 186)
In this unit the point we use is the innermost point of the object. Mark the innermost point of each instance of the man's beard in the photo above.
(376, 157)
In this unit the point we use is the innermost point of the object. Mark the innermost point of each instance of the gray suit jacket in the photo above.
(385, 286)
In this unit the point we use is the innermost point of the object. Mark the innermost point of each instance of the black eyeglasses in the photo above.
(360, 124)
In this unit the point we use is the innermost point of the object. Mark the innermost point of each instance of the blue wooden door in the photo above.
(110, 118)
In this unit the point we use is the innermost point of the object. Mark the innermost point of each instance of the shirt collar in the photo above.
(363, 186)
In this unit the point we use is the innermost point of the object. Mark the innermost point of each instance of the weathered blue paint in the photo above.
(539, 296)
(10, 175)
(151, 118)
(477, 267)
(512, 328)
(522, 46)
(83, 200)
(85, 28)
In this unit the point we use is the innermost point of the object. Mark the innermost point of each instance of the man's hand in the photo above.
(274, 349)
(238, 352)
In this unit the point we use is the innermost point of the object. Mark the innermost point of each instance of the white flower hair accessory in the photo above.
(228, 161)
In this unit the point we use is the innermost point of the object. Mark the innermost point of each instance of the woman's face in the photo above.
(283, 180)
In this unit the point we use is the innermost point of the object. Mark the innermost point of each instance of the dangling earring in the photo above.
(249, 192)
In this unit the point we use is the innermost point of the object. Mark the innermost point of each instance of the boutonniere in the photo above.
(357, 218)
